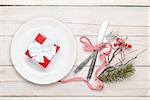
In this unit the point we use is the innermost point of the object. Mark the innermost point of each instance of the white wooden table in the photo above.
(129, 17)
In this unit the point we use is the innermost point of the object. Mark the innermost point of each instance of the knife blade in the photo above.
(102, 31)
(100, 39)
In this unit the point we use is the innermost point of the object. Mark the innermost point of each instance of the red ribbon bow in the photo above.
(88, 46)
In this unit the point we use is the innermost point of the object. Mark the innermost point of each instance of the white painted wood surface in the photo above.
(129, 17)
(75, 98)
(77, 2)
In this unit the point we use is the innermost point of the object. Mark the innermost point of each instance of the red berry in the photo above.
(125, 44)
(129, 46)
(119, 43)
(117, 39)
(115, 44)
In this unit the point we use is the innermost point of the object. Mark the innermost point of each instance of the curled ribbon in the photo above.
(88, 46)
(37, 51)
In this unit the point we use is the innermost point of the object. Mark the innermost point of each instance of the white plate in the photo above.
(60, 65)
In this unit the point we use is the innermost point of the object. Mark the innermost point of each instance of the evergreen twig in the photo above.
(113, 74)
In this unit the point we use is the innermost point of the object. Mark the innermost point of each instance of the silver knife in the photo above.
(100, 39)
(82, 65)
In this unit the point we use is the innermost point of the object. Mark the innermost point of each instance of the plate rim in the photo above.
(12, 50)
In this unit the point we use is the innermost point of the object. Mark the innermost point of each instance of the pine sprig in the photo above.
(112, 74)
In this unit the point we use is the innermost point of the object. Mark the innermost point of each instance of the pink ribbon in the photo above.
(88, 46)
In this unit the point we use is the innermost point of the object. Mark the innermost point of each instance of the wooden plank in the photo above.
(74, 98)
(73, 14)
(80, 29)
(137, 85)
(139, 43)
(76, 2)
(149, 17)
(9, 74)
(125, 88)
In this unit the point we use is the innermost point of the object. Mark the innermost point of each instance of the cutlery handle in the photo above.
(82, 65)
(89, 75)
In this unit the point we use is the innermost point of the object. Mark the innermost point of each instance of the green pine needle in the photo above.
(112, 74)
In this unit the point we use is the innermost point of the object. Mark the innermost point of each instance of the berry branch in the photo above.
(123, 70)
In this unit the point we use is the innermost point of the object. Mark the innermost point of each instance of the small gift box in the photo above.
(42, 50)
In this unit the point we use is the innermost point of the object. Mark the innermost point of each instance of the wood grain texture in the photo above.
(74, 98)
(77, 2)
(74, 89)
(82, 29)
(9, 79)
(137, 85)
(8, 74)
(121, 16)
(129, 17)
